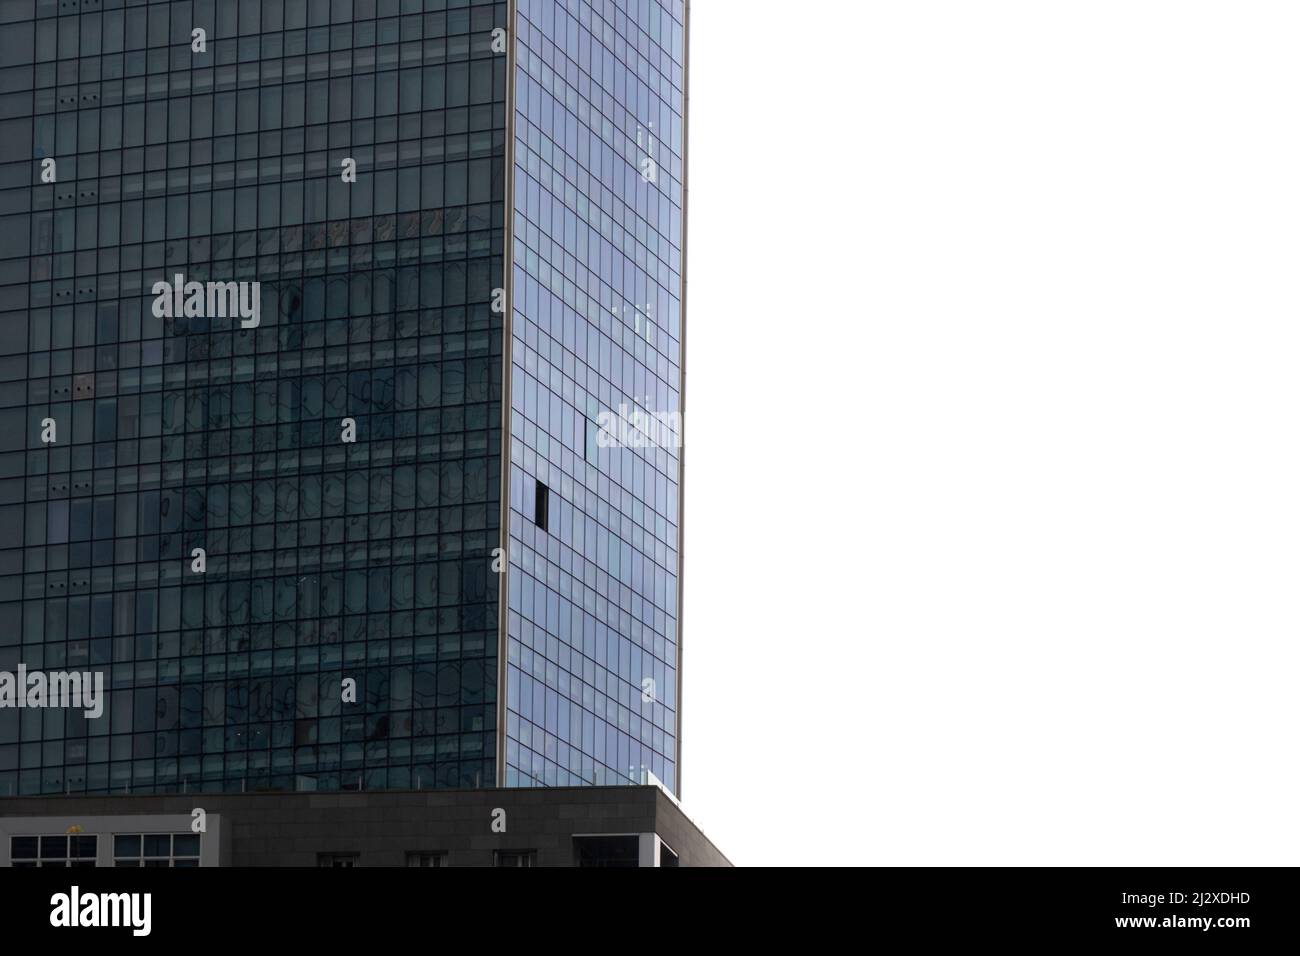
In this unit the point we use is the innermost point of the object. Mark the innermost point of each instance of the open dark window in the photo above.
(541, 505)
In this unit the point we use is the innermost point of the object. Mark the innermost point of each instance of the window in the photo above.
(666, 856)
(426, 859)
(607, 851)
(541, 505)
(336, 859)
(61, 851)
(515, 858)
(156, 849)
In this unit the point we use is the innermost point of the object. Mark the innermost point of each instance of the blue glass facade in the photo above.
(596, 293)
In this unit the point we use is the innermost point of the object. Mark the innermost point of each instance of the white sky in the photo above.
(992, 529)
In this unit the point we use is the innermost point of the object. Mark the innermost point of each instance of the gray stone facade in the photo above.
(381, 828)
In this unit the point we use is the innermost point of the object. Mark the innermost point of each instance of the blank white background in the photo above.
(993, 491)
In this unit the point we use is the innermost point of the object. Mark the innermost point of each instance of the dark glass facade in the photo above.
(325, 560)
(331, 560)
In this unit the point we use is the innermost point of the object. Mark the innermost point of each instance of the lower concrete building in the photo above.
(624, 826)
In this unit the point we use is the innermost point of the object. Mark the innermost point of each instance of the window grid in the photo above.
(367, 560)
(156, 850)
(592, 630)
(69, 850)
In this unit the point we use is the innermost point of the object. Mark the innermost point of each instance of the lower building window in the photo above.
(156, 849)
(75, 850)
(336, 859)
(615, 851)
(515, 858)
(426, 859)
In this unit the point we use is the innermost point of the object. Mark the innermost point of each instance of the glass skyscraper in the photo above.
(377, 532)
